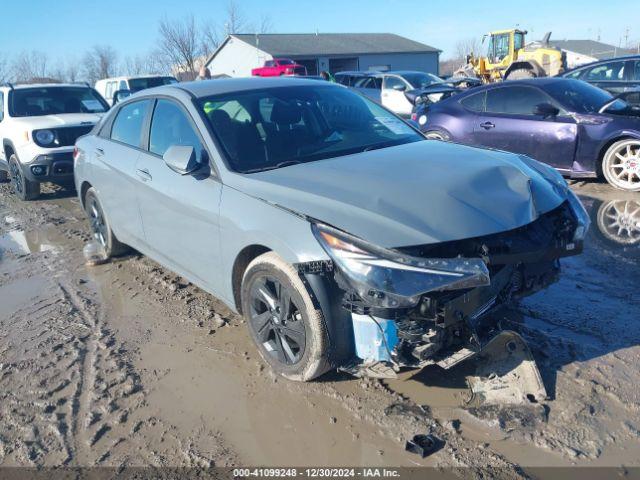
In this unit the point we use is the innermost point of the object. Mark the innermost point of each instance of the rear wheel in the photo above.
(289, 331)
(24, 188)
(621, 165)
(520, 74)
(100, 227)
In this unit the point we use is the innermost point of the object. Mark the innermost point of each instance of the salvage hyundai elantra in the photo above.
(343, 237)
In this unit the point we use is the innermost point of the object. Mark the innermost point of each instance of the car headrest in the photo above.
(285, 113)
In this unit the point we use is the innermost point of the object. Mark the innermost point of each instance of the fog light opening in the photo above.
(38, 170)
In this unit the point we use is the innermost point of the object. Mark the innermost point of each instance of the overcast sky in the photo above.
(65, 28)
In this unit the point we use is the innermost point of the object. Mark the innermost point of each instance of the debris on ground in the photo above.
(423, 445)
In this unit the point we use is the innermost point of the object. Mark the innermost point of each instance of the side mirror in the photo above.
(120, 95)
(546, 110)
(181, 159)
(399, 88)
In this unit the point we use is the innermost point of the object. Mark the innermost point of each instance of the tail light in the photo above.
(76, 153)
(289, 70)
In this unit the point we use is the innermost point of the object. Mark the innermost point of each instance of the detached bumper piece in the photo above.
(52, 167)
(449, 325)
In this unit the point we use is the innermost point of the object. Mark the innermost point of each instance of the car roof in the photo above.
(623, 58)
(535, 82)
(205, 88)
(22, 86)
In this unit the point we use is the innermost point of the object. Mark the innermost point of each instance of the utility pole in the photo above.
(626, 38)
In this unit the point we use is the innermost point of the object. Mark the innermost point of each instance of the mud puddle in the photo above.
(128, 364)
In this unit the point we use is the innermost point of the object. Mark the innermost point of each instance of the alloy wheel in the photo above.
(619, 221)
(277, 321)
(98, 225)
(623, 165)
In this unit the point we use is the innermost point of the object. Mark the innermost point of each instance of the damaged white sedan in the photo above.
(345, 238)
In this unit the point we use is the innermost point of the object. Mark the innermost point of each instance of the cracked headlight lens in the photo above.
(582, 217)
(387, 278)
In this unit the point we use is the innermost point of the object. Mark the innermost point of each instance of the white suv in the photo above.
(39, 125)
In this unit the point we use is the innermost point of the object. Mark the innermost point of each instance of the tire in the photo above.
(520, 74)
(621, 165)
(436, 135)
(24, 188)
(4, 176)
(100, 226)
(291, 336)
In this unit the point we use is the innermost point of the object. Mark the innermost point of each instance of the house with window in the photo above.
(333, 52)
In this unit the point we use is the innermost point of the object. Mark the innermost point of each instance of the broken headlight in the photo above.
(386, 278)
(582, 217)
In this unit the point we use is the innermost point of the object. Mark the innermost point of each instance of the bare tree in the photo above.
(29, 65)
(236, 21)
(5, 70)
(211, 38)
(100, 62)
(72, 70)
(266, 25)
(180, 44)
(467, 46)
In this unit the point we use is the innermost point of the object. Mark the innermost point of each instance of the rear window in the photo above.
(35, 102)
(137, 84)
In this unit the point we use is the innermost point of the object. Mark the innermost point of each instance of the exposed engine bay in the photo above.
(448, 314)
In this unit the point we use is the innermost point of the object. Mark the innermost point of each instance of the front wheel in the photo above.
(288, 329)
(24, 188)
(436, 135)
(621, 165)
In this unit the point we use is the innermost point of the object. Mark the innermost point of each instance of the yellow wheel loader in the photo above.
(508, 58)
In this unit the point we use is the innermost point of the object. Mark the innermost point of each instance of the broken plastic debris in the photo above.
(94, 253)
(423, 445)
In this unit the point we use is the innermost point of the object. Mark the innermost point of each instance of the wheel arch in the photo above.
(527, 65)
(83, 191)
(240, 264)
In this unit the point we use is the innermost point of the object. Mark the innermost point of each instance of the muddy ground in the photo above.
(126, 364)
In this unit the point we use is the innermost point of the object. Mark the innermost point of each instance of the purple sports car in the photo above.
(577, 128)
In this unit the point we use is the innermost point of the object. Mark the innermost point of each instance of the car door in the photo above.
(509, 123)
(117, 149)
(180, 213)
(393, 97)
(609, 76)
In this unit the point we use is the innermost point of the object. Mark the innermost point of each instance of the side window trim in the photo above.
(484, 102)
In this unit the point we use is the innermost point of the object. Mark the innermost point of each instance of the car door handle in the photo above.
(144, 175)
(487, 125)
(99, 152)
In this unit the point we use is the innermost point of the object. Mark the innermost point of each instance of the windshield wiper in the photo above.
(286, 163)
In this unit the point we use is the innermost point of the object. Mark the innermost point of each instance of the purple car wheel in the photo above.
(621, 165)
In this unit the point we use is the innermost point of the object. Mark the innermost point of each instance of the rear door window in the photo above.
(515, 100)
(393, 82)
(606, 72)
(128, 124)
(475, 102)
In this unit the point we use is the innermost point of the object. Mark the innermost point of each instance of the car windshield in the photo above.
(272, 128)
(421, 80)
(35, 102)
(137, 84)
(577, 96)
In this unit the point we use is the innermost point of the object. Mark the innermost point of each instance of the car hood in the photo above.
(418, 193)
(60, 120)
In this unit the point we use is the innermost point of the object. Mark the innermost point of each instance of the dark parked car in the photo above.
(581, 130)
(617, 76)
